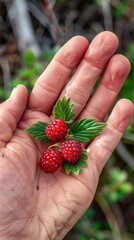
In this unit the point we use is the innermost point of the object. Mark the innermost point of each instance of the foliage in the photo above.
(120, 8)
(89, 228)
(117, 185)
(37, 130)
(64, 109)
(127, 90)
(85, 129)
(82, 131)
(101, 221)
(30, 70)
(114, 187)
(48, 53)
(77, 167)
(128, 136)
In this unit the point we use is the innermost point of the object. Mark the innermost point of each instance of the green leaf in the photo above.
(29, 57)
(77, 167)
(126, 187)
(64, 109)
(85, 129)
(117, 175)
(37, 130)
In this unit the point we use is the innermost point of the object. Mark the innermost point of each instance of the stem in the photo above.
(111, 219)
(54, 25)
(107, 14)
(54, 145)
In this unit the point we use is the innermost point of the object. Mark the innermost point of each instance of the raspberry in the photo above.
(71, 150)
(51, 160)
(56, 130)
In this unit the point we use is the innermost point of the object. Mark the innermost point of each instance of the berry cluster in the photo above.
(70, 150)
(65, 137)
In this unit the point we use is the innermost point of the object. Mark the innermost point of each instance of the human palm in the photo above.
(35, 205)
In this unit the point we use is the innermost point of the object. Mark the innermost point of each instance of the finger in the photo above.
(94, 61)
(102, 147)
(52, 80)
(11, 111)
(108, 89)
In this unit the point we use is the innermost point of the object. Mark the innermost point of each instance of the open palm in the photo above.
(35, 205)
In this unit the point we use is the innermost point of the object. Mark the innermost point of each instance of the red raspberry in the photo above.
(56, 130)
(51, 160)
(71, 150)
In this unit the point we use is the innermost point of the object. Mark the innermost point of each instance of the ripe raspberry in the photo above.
(71, 150)
(51, 160)
(56, 130)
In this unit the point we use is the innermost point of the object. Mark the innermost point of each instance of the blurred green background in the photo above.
(31, 32)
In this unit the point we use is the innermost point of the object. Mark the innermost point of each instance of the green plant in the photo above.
(113, 188)
(30, 70)
(114, 185)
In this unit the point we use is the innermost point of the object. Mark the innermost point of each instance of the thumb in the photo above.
(11, 111)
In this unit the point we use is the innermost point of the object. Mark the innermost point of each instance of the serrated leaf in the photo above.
(29, 57)
(37, 130)
(85, 129)
(64, 109)
(77, 167)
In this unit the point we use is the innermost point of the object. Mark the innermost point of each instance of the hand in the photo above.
(35, 205)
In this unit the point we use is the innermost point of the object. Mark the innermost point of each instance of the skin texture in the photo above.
(38, 206)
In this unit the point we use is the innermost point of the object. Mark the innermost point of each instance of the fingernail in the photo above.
(13, 92)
